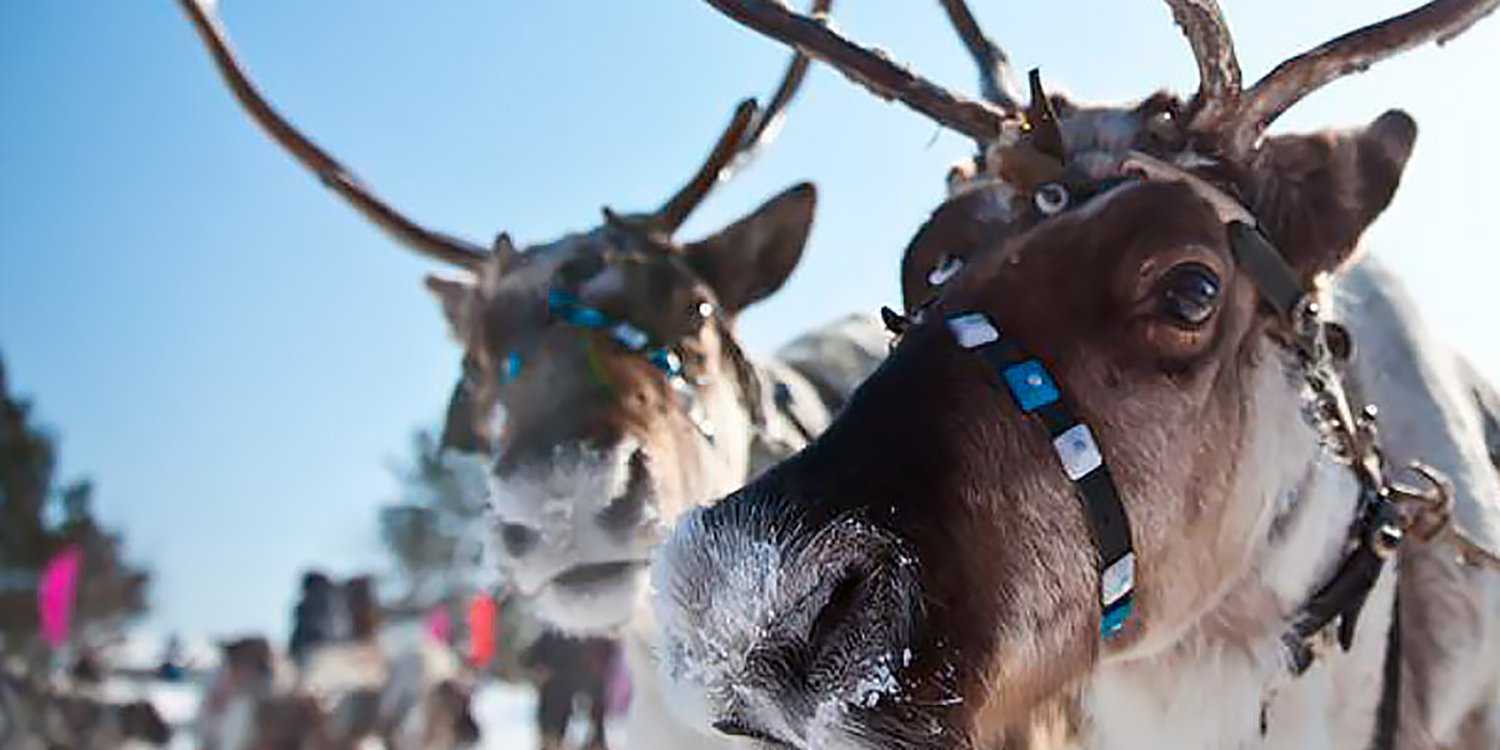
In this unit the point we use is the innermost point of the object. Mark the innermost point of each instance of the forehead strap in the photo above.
(1274, 278)
(1379, 526)
(566, 307)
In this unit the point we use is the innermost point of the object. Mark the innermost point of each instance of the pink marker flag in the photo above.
(56, 592)
(440, 624)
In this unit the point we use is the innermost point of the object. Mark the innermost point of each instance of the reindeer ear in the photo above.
(460, 428)
(752, 257)
(1316, 194)
(455, 296)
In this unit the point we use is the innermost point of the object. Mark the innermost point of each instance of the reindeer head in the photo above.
(1085, 348)
(602, 374)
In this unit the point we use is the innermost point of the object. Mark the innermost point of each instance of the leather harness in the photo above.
(1380, 522)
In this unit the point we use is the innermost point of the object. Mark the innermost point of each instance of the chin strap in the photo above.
(1387, 510)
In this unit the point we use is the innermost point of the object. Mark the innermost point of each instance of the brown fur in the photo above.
(581, 389)
(934, 453)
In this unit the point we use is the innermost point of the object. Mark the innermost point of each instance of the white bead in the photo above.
(1118, 579)
(1078, 451)
(973, 330)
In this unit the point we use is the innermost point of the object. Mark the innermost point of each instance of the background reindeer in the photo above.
(603, 378)
(924, 574)
(36, 715)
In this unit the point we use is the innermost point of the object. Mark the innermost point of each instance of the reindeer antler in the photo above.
(749, 130)
(429, 242)
(995, 78)
(1207, 33)
(867, 67)
(1239, 117)
(1438, 21)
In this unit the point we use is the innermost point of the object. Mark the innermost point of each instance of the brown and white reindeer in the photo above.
(1114, 460)
(604, 383)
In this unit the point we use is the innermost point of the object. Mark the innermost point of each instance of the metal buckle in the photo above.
(1426, 508)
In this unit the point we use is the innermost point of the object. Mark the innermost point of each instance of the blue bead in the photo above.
(1031, 385)
(512, 367)
(559, 300)
(588, 317)
(1116, 616)
(666, 361)
(564, 305)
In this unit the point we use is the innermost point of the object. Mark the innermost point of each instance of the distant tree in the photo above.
(39, 517)
(433, 530)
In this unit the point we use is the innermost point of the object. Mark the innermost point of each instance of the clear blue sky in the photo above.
(235, 356)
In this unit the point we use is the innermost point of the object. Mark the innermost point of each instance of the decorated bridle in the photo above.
(1387, 510)
(564, 306)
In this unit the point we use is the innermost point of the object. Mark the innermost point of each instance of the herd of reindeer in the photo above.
(1114, 476)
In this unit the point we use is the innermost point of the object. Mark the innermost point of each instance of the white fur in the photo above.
(561, 503)
(562, 499)
(1198, 689)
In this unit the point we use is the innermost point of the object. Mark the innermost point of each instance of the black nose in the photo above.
(518, 539)
(625, 512)
(840, 609)
(737, 728)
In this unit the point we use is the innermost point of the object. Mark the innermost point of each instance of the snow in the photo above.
(506, 713)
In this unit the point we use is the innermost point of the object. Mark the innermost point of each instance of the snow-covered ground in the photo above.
(506, 713)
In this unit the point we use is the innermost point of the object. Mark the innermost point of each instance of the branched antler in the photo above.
(1355, 52)
(995, 78)
(1237, 117)
(1203, 24)
(429, 242)
(749, 129)
(867, 67)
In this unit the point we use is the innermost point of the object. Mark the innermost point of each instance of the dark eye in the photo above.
(1189, 295)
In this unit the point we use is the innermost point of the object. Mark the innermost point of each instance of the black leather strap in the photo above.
(1037, 394)
(1277, 282)
(1388, 713)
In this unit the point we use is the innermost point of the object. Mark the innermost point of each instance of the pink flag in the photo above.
(56, 592)
(440, 624)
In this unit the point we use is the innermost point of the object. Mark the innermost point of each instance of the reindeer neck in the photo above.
(1224, 680)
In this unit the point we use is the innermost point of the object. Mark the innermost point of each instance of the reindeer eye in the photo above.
(1051, 198)
(1189, 294)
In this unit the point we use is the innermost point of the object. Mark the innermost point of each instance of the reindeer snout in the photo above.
(596, 501)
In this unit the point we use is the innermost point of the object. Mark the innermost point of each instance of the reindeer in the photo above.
(36, 715)
(416, 700)
(1115, 461)
(603, 381)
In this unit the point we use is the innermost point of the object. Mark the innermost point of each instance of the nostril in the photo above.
(840, 608)
(518, 539)
(625, 512)
(735, 728)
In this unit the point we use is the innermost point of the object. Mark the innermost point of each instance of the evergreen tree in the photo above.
(38, 518)
(434, 530)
